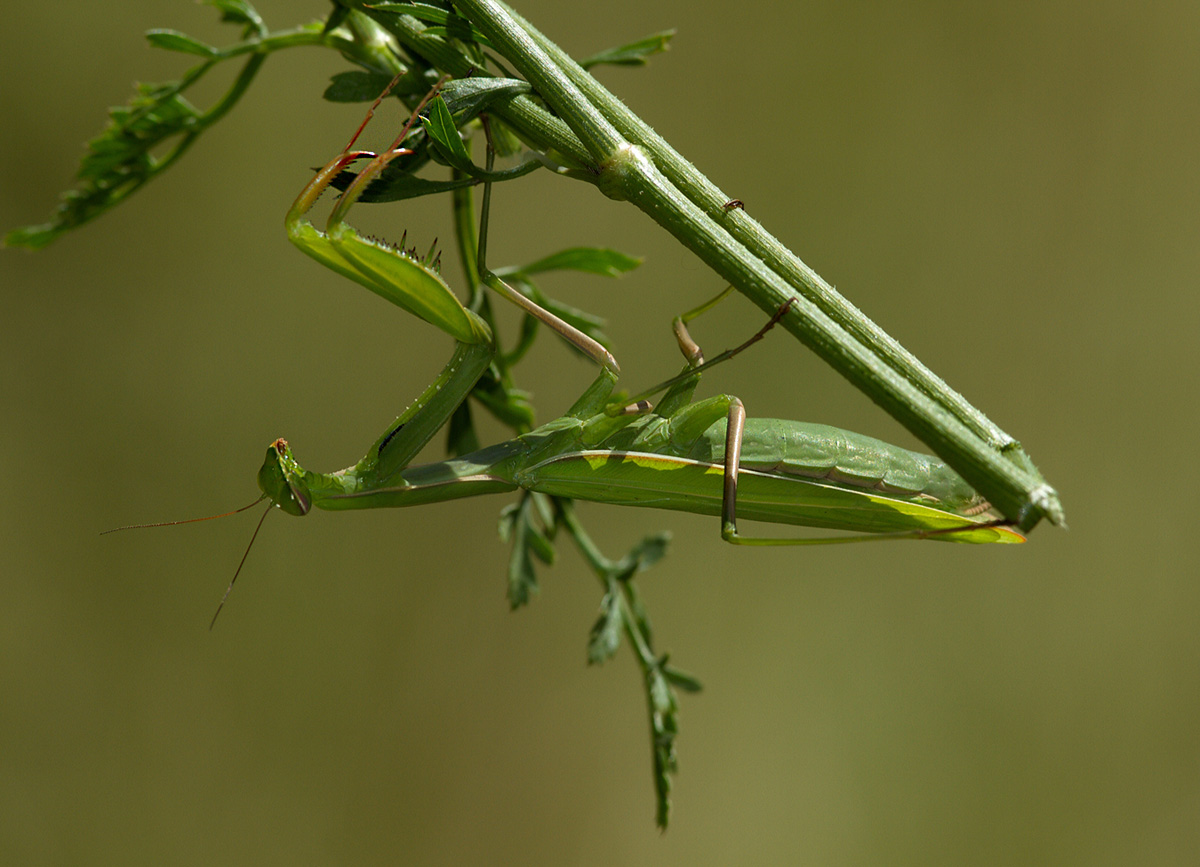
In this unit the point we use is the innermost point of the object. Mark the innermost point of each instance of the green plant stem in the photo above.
(709, 198)
(977, 451)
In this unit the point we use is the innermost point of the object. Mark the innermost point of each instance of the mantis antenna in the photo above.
(185, 520)
(245, 554)
(238, 571)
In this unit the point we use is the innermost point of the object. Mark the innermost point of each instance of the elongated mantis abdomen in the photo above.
(843, 458)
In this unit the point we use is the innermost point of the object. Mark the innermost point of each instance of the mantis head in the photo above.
(282, 480)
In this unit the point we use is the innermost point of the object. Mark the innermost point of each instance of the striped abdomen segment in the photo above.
(840, 457)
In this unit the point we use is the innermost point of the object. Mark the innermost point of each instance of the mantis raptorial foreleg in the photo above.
(415, 285)
(391, 273)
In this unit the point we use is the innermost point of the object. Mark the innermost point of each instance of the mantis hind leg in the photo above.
(691, 350)
(680, 388)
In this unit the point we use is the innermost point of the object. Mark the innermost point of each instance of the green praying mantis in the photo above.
(683, 454)
(703, 456)
(700, 456)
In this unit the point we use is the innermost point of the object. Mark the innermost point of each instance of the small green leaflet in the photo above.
(643, 555)
(439, 126)
(446, 22)
(469, 96)
(664, 728)
(362, 86)
(590, 260)
(173, 40)
(392, 186)
(634, 54)
(605, 636)
(240, 12)
(519, 524)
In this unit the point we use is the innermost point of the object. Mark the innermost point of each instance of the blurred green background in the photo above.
(1010, 189)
